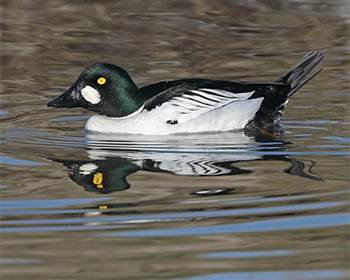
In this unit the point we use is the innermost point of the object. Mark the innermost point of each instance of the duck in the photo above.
(182, 106)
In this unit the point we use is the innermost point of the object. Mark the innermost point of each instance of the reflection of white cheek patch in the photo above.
(91, 95)
(87, 168)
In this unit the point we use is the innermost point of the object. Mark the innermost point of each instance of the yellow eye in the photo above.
(101, 81)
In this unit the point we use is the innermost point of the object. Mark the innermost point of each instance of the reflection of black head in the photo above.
(103, 176)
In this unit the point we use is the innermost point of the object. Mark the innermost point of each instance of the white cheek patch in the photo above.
(91, 95)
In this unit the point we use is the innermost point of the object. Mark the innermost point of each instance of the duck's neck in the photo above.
(124, 99)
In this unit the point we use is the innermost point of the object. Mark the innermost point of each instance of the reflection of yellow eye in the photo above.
(101, 81)
(97, 180)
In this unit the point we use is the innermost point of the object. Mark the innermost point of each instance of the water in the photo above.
(206, 206)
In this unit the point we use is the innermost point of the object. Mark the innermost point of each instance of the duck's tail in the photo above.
(276, 96)
(294, 77)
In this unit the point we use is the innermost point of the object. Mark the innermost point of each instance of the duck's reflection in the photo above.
(114, 157)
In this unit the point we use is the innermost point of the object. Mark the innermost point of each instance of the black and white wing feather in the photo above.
(180, 107)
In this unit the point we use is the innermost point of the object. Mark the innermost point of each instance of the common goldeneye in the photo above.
(181, 106)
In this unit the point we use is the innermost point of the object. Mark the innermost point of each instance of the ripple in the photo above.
(306, 222)
(13, 161)
(47, 203)
(19, 261)
(250, 254)
(276, 275)
(181, 216)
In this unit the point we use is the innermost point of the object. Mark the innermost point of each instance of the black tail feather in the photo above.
(294, 77)
(276, 96)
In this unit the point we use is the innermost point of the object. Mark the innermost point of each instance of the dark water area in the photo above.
(221, 206)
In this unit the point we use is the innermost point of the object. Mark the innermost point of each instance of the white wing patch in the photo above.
(198, 102)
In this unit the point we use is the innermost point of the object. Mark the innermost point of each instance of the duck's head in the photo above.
(103, 88)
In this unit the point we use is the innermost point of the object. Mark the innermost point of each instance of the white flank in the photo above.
(91, 95)
(231, 116)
